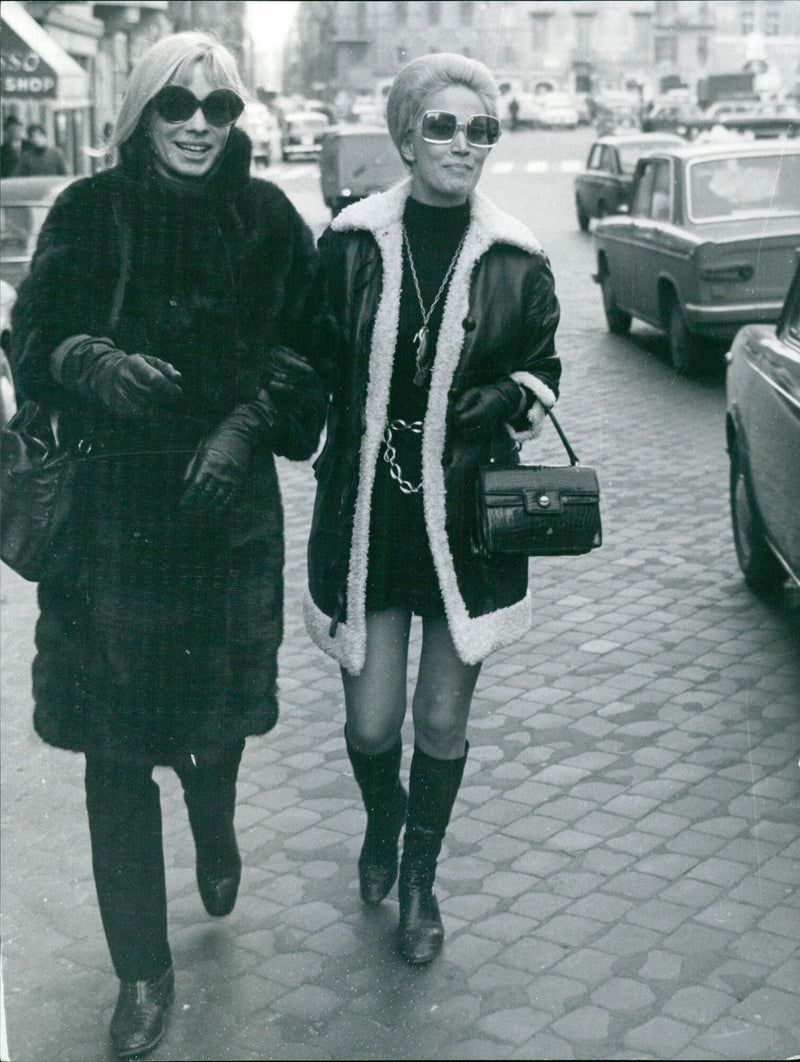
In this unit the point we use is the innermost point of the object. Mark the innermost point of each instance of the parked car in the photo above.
(263, 128)
(24, 204)
(762, 426)
(355, 161)
(709, 244)
(607, 182)
(682, 118)
(612, 120)
(557, 110)
(303, 132)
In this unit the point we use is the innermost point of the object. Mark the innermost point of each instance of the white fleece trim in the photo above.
(473, 637)
(545, 399)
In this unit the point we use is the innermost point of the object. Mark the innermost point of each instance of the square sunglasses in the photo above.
(175, 103)
(441, 127)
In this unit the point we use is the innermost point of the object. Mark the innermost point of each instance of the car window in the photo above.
(644, 191)
(594, 157)
(19, 227)
(608, 162)
(661, 204)
(744, 186)
(629, 154)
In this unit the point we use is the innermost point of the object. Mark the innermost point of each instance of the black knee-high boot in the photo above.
(385, 801)
(433, 785)
(209, 789)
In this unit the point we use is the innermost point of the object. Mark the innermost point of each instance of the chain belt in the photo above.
(390, 454)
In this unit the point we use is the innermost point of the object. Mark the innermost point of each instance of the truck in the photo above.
(733, 86)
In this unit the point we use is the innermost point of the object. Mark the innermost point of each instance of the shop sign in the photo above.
(23, 73)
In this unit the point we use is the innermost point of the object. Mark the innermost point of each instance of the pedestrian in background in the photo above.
(11, 147)
(167, 309)
(444, 313)
(37, 158)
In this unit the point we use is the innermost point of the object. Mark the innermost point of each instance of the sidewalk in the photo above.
(620, 877)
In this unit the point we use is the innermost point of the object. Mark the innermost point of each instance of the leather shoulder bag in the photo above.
(539, 510)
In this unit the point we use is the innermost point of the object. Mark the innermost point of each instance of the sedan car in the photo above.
(709, 244)
(762, 427)
(606, 184)
(24, 204)
(302, 135)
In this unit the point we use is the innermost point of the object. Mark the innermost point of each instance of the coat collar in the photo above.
(379, 213)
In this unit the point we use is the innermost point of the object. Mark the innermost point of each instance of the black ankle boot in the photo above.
(140, 1016)
(209, 790)
(433, 786)
(385, 801)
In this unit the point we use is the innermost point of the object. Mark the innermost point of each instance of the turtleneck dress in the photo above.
(400, 570)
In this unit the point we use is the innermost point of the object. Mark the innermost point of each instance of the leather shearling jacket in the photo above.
(499, 321)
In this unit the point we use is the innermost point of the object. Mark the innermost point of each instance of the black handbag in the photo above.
(38, 473)
(539, 510)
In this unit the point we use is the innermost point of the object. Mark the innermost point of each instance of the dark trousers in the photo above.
(124, 809)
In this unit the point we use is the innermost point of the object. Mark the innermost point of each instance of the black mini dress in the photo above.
(400, 568)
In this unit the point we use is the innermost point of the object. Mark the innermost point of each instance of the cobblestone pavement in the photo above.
(620, 876)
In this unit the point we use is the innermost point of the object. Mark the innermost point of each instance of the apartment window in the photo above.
(467, 11)
(434, 12)
(540, 27)
(584, 23)
(702, 50)
(641, 32)
(666, 50)
(772, 22)
(509, 54)
(361, 18)
(748, 19)
(401, 13)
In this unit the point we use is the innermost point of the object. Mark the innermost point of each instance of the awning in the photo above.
(33, 66)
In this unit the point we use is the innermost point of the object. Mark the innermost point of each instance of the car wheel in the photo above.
(683, 345)
(583, 217)
(619, 322)
(762, 570)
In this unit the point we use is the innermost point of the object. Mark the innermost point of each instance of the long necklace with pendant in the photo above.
(421, 338)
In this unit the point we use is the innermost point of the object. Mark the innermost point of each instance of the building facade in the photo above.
(65, 65)
(580, 45)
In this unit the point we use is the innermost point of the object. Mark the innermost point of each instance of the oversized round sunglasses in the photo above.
(175, 103)
(441, 127)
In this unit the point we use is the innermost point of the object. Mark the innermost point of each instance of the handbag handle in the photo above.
(573, 457)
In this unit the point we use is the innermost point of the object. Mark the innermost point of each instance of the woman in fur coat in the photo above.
(443, 316)
(167, 310)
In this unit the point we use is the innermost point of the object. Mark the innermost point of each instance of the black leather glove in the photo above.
(130, 385)
(288, 375)
(215, 474)
(481, 410)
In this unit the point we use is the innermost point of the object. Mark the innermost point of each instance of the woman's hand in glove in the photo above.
(288, 375)
(481, 410)
(135, 385)
(129, 385)
(215, 474)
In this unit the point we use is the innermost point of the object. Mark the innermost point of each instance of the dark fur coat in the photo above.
(160, 634)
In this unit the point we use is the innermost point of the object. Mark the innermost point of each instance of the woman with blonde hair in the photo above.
(443, 358)
(166, 313)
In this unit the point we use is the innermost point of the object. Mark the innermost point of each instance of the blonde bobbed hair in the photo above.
(419, 78)
(171, 61)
